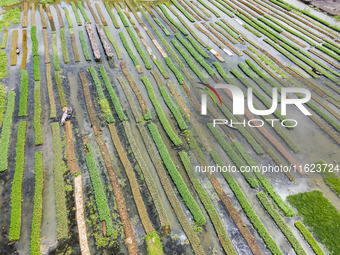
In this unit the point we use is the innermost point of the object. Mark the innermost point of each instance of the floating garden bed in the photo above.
(23, 93)
(176, 72)
(318, 213)
(99, 193)
(129, 51)
(82, 10)
(113, 18)
(248, 208)
(84, 45)
(104, 104)
(114, 98)
(16, 196)
(165, 123)
(37, 115)
(59, 168)
(37, 204)
(309, 238)
(7, 131)
(178, 26)
(280, 223)
(176, 176)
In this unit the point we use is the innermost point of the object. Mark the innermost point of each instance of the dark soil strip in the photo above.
(14, 48)
(46, 45)
(129, 237)
(24, 49)
(160, 14)
(53, 108)
(101, 14)
(74, 48)
(69, 148)
(190, 233)
(130, 99)
(33, 15)
(134, 87)
(89, 105)
(95, 17)
(60, 18)
(50, 18)
(132, 179)
(42, 16)
(24, 18)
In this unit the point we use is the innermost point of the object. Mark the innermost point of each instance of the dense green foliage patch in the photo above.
(6, 131)
(318, 213)
(99, 193)
(16, 196)
(309, 238)
(37, 204)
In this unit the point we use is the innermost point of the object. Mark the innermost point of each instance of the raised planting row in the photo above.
(280, 223)
(165, 123)
(36, 68)
(59, 168)
(174, 69)
(3, 95)
(329, 53)
(82, 10)
(178, 26)
(113, 42)
(191, 64)
(221, 8)
(37, 204)
(149, 180)
(329, 176)
(129, 51)
(99, 193)
(16, 196)
(37, 115)
(197, 47)
(139, 49)
(161, 68)
(174, 110)
(6, 131)
(172, 197)
(196, 56)
(309, 238)
(61, 93)
(176, 176)
(322, 218)
(113, 18)
(247, 207)
(84, 45)
(335, 124)
(114, 98)
(4, 40)
(184, 12)
(64, 46)
(209, 8)
(132, 180)
(285, 208)
(257, 93)
(104, 104)
(121, 15)
(13, 49)
(34, 41)
(76, 13)
(289, 7)
(130, 240)
(235, 158)
(208, 205)
(23, 93)
(55, 52)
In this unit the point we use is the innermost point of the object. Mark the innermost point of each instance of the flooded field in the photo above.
(104, 148)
